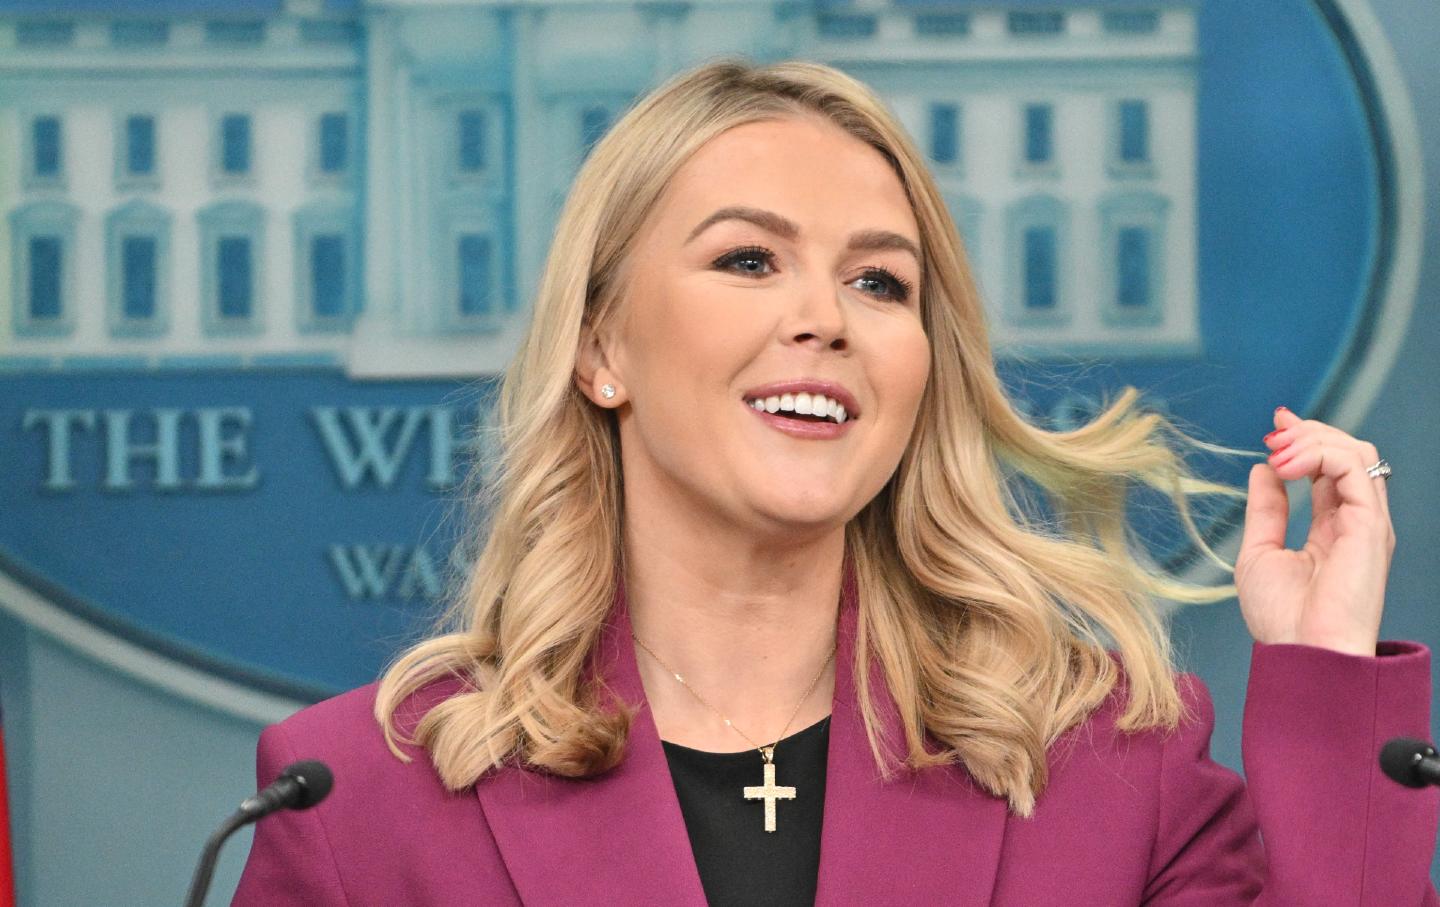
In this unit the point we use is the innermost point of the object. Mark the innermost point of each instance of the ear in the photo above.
(593, 370)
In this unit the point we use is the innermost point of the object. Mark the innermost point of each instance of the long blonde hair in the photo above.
(990, 622)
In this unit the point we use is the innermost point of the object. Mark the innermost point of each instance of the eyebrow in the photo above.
(864, 240)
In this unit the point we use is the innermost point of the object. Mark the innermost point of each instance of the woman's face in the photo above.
(782, 260)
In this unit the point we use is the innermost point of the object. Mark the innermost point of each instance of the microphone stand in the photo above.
(300, 786)
(200, 883)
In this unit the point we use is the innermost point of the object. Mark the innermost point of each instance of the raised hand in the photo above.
(1331, 592)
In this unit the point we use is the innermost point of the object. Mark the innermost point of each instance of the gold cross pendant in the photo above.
(768, 791)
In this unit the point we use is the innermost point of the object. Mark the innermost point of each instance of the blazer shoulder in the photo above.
(343, 732)
(337, 718)
(389, 832)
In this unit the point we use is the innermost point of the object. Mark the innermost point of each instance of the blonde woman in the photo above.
(757, 618)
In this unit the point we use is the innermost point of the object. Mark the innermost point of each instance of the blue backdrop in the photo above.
(251, 310)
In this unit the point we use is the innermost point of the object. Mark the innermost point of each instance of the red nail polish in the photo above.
(1267, 438)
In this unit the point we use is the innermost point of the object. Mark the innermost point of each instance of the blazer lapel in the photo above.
(618, 838)
(931, 838)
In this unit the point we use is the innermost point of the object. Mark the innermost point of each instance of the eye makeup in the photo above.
(899, 289)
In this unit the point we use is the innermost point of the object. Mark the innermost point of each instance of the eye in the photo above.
(745, 256)
(899, 287)
(893, 285)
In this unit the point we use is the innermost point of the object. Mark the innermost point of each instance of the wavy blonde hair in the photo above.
(990, 619)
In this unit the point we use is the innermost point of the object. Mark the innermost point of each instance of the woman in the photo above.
(972, 705)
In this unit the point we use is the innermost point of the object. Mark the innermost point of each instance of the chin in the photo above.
(806, 514)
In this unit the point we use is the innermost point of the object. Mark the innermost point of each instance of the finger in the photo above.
(1267, 513)
(1343, 466)
(1284, 418)
(1286, 443)
(1324, 496)
(1325, 502)
(1296, 430)
(1371, 457)
(1298, 435)
(1288, 428)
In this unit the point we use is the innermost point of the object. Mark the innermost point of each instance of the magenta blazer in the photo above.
(1126, 819)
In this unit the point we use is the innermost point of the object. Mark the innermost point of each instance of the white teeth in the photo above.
(802, 403)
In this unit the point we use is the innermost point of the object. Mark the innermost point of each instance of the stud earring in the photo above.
(607, 391)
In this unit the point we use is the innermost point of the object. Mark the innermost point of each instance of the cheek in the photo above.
(699, 336)
(686, 351)
(907, 366)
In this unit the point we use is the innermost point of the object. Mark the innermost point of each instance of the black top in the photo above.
(740, 863)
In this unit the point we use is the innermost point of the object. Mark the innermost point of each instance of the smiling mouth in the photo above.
(802, 407)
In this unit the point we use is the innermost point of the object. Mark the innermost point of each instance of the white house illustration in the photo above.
(372, 185)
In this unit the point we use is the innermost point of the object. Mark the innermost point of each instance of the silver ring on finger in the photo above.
(1381, 470)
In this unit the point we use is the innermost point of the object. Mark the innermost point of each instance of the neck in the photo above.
(748, 624)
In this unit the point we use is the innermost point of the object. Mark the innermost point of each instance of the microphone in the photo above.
(300, 786)
(1413, 763)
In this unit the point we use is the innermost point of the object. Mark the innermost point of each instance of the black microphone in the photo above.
(300, 786)
(1413, 763)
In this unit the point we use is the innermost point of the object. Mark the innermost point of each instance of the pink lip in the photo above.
(812, 431)
(830, 389)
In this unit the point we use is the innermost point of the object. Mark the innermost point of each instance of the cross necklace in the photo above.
(770, 792)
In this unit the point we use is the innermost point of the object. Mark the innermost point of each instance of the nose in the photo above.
(818, 319)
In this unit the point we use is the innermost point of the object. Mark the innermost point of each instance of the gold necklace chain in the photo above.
(768, 752)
